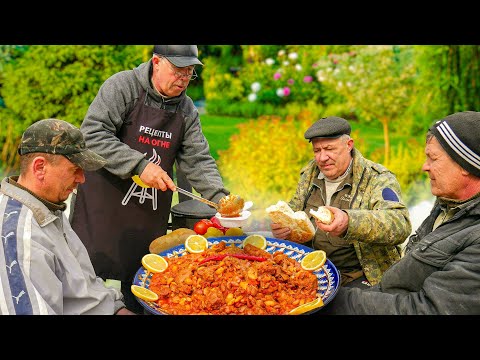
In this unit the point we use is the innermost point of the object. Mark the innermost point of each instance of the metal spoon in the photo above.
(199, 198)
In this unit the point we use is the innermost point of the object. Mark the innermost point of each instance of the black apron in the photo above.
(117, 219)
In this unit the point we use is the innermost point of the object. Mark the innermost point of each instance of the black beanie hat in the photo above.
(459, 135)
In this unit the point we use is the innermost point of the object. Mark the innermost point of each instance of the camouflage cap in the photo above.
(59, 137)
(328, 127)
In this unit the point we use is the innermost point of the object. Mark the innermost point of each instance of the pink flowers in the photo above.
(308, 79)
(281, 92)
(287, 78)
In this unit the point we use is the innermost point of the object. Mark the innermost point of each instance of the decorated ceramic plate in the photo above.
(328, 275)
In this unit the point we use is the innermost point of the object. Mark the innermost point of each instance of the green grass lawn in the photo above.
(218, 130)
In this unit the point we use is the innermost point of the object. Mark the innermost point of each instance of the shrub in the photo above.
(406, 163)
(273, 80)
(264, 159)
(56, 81)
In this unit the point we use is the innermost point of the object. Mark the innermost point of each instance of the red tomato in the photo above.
(208, 222)
(201, 226)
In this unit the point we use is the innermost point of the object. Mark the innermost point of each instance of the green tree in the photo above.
(8, 54)
(448, 82)
(56, 81)
(376, 82)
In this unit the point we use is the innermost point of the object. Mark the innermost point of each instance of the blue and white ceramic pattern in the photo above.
(328, 275)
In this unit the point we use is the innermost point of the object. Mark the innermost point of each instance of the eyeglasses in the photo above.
(178, 74)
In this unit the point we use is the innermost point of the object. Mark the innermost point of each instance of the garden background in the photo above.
(256, 101)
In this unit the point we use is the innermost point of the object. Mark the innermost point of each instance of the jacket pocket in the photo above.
(436, 252)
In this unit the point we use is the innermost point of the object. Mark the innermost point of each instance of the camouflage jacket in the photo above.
(374, 234)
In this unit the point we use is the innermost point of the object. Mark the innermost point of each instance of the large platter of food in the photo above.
(233, 278)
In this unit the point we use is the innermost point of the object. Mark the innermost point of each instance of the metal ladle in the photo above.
(247, 205)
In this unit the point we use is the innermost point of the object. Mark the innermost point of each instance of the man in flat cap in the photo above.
(370, 218)
(45, 268)
(440, 271)
(143, 122)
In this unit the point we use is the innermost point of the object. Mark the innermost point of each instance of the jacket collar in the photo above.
(42, 214)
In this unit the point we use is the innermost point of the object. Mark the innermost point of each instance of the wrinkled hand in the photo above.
(280, 232)
(156, 177)
(339, 225)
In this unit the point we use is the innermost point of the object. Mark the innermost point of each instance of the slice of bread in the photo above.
(299, 223)
(323, 214)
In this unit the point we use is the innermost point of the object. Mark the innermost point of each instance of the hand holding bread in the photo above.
(331, 219)
(302, 229)
(323, 214)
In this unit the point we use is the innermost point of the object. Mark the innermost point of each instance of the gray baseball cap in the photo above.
(179, 55)
(59, 137)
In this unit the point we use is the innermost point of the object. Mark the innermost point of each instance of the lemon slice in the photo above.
(196, 244)
(314, 260)
(154, 263)
(144, 293)
(318, 302)
(234, 231)
(139, 181)
(256, 240)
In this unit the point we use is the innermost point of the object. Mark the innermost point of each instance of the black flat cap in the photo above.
(328, 127)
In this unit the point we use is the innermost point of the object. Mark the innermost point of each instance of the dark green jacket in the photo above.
(439, 274)
(375, 226)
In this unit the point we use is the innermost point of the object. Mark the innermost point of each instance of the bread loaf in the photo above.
(165, 242)
(323, 214)
(298, 222)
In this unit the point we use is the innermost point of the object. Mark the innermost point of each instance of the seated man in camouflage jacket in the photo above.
(371, 219)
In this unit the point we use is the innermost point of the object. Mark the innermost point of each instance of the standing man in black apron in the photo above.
(141, 121)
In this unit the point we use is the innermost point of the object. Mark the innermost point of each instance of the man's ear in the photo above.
(350, 143)
(155, 60)
(38, 167)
